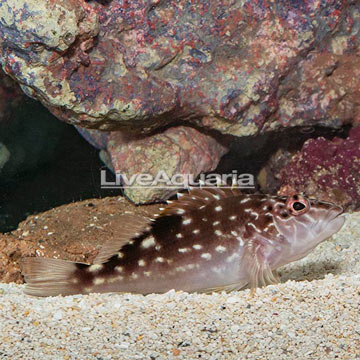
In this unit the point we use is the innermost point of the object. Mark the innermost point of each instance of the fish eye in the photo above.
(298, 206)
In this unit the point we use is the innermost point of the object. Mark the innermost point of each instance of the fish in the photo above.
(209, 239)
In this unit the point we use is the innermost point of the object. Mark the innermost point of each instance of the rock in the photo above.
(328, 170)
(324, 89)
(239, 67)
(80, 242)
(178, 150)
(96, 138)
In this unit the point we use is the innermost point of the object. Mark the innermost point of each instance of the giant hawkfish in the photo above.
(209, 239)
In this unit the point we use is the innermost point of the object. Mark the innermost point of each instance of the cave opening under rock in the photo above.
(53, 165)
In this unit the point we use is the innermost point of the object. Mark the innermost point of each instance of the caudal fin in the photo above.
(49, 277)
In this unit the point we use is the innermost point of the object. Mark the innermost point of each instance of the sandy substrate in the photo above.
(315, 315)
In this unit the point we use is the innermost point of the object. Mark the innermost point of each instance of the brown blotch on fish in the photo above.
(207, 240)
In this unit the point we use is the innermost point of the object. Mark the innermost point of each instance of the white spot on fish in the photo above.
(243, 201)
(120, 255)
(220, 249)
(201, 207)
(141, 262)
(254, 227)
(115, 279)
(180, 211)
(234, 233)
(204, 219)
(180, 268)
(216, 223)
(197, 247)
(196, 231)
(232, 257)
(134, 276)
(157, 247)
(119, 269)
(240, 240)
(159, 259)
(183, 250)
(99, 281)
(147, 273)
(232, 217)
(218, 269)
(95, 267)
(206, 256)
(187, 221)
(218, 208)
(217, 197)
(218, 232)
(191, 266)
(179, 235)
(146, 243)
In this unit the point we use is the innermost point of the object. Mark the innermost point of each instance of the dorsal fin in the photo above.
(131, 226)
(196, 198)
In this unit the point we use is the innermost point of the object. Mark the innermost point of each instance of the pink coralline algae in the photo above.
(326, 169)
(143, 64)
(176, 151)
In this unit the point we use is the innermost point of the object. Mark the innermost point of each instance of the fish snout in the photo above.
(336, 211)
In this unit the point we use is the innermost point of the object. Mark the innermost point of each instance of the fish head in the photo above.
(304, 223)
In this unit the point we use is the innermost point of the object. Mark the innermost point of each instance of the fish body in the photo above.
(207, 240)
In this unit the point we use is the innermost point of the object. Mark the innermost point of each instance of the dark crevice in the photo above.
(70, 172)
(250, 154)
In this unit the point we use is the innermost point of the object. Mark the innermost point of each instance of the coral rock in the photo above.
(326, 169)
(231, 66)
(178, 150)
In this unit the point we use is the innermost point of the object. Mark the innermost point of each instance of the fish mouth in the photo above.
(336, 211)
(336, 219)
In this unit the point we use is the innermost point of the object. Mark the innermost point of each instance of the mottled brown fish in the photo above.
(207, 240)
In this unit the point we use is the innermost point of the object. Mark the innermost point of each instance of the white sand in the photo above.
(315, 317)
